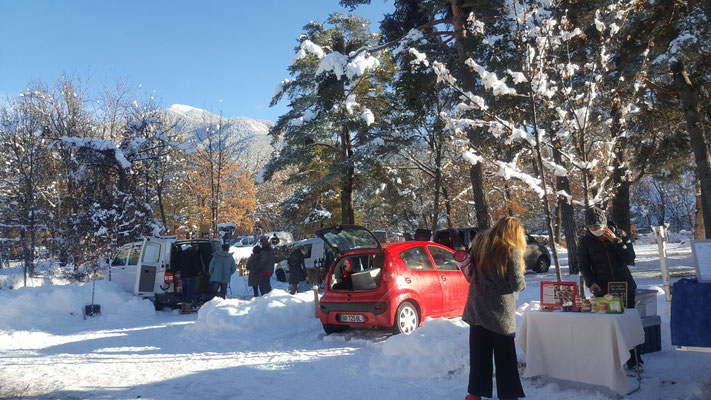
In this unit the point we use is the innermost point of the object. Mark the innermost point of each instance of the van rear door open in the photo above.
(151, 266)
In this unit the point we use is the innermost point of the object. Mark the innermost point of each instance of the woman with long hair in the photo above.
(497, 273)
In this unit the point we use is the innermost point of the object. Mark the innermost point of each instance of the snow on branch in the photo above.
(506, 170)
(98, 145)
(340, 65)
(305, 48)
(490, 80)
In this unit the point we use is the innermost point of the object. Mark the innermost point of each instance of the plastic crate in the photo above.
(652, 335)
(646, 302)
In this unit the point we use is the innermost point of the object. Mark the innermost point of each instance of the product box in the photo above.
(646, 302)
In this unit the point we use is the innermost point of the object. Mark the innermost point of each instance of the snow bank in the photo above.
(48, 307)
(437, 349)
(269, 315)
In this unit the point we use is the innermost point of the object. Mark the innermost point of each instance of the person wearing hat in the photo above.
(604, 253)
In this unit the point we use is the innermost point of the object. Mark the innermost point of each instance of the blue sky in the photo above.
(190, 52)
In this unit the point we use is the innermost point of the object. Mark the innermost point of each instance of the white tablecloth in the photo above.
(582, 347)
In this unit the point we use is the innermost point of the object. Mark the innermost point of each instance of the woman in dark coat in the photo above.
(604, 253)
(297, 268)
(497, 274)
(253, 266)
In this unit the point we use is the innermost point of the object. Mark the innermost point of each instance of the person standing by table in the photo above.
(222, 266)
(497, 274)
(603, 256)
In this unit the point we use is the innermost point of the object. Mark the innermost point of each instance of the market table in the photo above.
(583, 347)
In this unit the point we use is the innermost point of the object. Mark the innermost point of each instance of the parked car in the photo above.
(246, 241)
(537, 257)
(394, 285)
(155, 274)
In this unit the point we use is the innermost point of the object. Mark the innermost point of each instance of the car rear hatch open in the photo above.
(359, 264)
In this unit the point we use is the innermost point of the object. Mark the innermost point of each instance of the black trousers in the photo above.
(484, 343)
(265, 286)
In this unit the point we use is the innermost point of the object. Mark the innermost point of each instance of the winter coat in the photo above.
(267, 260)
(297, 267)
(222, 266)
(602, 262)
(253, 267)
(192, 263)
(491, 302)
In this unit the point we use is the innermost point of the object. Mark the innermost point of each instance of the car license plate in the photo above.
(352, 318)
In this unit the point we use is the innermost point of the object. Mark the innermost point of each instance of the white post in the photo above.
(316, 305)
(660, 234)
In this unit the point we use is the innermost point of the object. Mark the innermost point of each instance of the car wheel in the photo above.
(542, 264)
(280, 275)
(407, 319)
(333, 328)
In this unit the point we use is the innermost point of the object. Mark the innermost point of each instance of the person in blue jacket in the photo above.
(222, 266)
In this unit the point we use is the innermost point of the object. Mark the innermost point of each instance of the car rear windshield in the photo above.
(357, 272)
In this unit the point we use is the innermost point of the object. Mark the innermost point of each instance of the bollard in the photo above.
(316, 305)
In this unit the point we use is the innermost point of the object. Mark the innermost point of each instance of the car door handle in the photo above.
(444, 278)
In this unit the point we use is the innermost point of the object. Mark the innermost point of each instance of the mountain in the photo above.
(248, 135)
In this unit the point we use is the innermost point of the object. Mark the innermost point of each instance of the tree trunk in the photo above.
(699, 231)
(687, 94)
(556, 228)
(567, 216)
(348, 215)
(476, 172)
(621, 199)
(437, 188)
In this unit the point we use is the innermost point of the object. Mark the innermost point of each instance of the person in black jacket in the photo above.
(604, 253)
(190, 268)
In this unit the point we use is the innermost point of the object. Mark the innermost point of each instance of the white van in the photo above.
(314, 256)
(155, 274)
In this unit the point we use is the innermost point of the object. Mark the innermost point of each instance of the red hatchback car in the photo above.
(393, 285)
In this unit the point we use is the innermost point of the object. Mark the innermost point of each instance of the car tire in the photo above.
(407, 318)
(280, 275)
(542, 264)
(333, 328)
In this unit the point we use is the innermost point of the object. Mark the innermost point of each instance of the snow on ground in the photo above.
(272, 347)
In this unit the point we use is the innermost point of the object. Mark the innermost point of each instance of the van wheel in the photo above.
(542, 264)
(280, 275)
(157, 304)
(407, 319)
(333, 328)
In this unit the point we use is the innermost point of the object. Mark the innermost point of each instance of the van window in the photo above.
(151, 252)
(443, 259)
(416, 258)
(134, 256)
(307, 250)
(120, 258)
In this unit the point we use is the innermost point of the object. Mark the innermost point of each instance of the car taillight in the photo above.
(389, 273)
(168, 278)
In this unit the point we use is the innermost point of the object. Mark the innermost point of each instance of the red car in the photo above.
(393, 285)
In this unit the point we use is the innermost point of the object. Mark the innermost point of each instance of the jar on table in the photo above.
(586, 306)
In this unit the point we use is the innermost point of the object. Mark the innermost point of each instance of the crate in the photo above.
(652, 335)
(646, 302)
